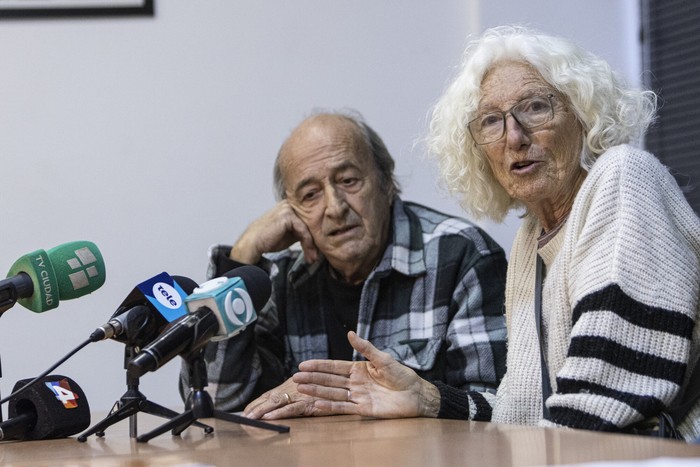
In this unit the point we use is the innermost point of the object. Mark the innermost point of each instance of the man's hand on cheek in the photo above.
(303, 235)
(276, 230)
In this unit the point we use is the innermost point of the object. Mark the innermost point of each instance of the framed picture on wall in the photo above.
(64, 8)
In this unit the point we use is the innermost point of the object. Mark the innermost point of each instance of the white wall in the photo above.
(155, 137)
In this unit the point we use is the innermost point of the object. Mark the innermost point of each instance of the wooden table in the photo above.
(344, 441)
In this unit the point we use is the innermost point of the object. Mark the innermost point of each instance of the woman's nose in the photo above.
(516, 135)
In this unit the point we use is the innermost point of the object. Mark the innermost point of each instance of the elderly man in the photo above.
(424, 287)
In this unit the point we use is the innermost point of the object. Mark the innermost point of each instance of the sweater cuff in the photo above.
(454, 403)
(463, 405)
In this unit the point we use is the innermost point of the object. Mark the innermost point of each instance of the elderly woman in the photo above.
(604, 276)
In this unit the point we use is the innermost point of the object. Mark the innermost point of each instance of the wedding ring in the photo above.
(287, 398)
(348, 395)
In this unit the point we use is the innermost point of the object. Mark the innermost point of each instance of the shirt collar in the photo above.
(405, 253)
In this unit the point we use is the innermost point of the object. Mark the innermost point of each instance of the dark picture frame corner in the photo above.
(30, 9)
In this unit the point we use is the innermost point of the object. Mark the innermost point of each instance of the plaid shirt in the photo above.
(434, 302)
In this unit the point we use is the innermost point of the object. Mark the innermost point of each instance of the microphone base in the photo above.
(184, 420)
(129, 407)
(200, 405)
(130, 404)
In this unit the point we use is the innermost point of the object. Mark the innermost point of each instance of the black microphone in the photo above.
(219, 309)
(147, 310)
(55, 407)
(188, 334)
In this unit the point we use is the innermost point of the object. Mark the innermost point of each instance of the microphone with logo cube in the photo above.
(218, 309)
(148, 309)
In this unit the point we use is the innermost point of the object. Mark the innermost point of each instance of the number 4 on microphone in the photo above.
(63, 393)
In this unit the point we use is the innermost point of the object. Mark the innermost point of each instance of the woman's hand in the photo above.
(380, 387)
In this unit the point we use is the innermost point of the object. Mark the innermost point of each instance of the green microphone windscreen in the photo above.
(67, 271)
(79, 268)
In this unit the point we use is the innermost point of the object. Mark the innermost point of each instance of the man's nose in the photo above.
(335, 202)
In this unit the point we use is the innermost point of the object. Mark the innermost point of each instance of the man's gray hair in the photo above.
(372, 141)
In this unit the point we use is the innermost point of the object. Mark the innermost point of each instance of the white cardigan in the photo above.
(620, 300)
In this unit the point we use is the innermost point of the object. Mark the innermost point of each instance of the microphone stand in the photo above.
(132, 402)
(200, 405)
(0, 391)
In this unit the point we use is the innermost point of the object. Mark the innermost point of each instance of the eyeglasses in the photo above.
(529, 113)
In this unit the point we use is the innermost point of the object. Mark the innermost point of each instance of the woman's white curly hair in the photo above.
(610, 111)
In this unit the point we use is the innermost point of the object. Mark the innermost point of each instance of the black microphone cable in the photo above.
(53, 367)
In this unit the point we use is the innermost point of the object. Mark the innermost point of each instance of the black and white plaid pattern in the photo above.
(434, 302)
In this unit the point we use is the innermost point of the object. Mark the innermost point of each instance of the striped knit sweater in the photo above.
(620, 300)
